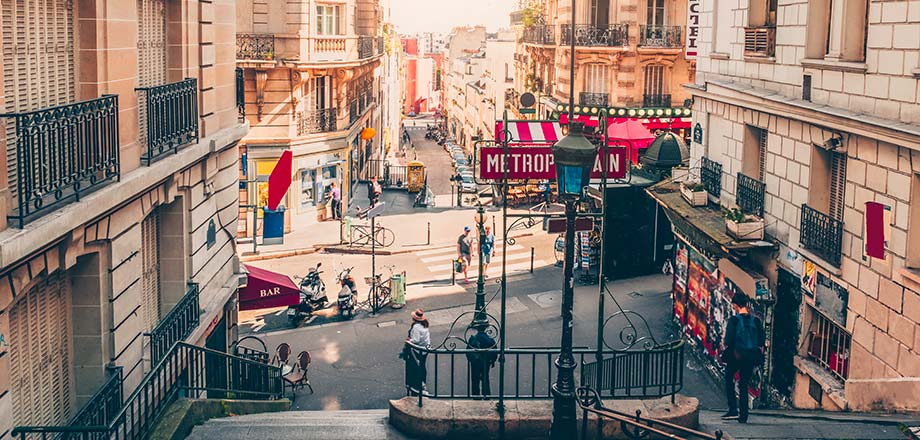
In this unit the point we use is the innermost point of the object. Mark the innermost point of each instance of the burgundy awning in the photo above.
(267, 289)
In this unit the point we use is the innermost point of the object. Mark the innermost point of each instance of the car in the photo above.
(461, 169)
(467, 184)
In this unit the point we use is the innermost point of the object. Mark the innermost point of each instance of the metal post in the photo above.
(255, 225)
(601, 280)
(564, 420)
(373, 266)
(480, 320)
(504, 285)
(531, 259)
(429, 234)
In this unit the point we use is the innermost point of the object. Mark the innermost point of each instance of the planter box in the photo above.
(752, 230)
(694, 198)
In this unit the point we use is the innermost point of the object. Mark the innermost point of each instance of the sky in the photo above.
(412, 16)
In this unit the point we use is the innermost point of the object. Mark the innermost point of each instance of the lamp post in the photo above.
(574, 156)
(480, 320)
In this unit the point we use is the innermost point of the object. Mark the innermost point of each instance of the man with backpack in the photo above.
(481, 362)
(743, 351)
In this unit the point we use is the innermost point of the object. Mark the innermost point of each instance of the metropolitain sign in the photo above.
(537, 163)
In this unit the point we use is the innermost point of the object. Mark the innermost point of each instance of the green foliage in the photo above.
(694, 186)
(531, 13)
(738, 216)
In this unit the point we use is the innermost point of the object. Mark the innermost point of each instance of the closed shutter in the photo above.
(151, 54)
(762, 155)
(40, 375)
(838, 183)
(150, 275)
(654, 80)
(596, 78)
(38, 62)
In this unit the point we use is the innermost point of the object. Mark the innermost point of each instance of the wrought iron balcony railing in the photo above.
(540, 34)
(590, 35)
(105, 404)
(62, 153)
(255, 46)
(659, 100)
(365, 46)
(171, 116)
(711, 176)
(240, 92)
(821, 234)
(593, 98)
(749, 194)
(177, 325)
(656, 35)
(381, 44)
(759, 41)
(316, 121)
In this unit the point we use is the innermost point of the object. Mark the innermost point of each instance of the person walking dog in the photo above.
(743, 351)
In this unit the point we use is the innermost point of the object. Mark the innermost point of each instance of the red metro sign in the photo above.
(537, 163)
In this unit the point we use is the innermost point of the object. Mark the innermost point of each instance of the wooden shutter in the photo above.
(838, 183)
(150, 275)
(38, 62)
(654, 80)
(40, 374)
(762, 154)
(151, 54)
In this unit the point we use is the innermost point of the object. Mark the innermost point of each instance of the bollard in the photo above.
(531, 259)
(453, 273)
(429, 234)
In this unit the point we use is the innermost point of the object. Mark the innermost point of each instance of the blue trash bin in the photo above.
(273, 225)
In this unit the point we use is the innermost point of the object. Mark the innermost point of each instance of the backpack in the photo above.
(747, 339)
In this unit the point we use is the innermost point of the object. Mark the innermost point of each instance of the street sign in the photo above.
(527, 111)
(375, 210)
(529, 162)
(557, 225)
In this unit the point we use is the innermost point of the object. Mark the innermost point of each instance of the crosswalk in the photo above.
(439, 261)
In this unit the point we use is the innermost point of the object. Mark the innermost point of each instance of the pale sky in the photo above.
(411, 16)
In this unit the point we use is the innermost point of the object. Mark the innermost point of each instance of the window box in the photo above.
(694, 193)
(744, 226)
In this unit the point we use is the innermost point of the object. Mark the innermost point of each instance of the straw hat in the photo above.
(418, 315)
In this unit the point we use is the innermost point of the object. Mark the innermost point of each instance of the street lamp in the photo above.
(574, 156)
(480, 321)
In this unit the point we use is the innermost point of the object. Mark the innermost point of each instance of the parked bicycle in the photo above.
(379, 287)
(360, 235)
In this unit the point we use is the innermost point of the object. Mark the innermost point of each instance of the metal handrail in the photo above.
(176, 325)
(634, 426)
(171, 113)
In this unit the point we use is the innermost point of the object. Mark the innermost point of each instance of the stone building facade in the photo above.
(312, 76)
(810, 111)
(118, 207)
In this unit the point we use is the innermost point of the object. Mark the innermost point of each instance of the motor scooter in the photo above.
(312, 297)
(347, 295)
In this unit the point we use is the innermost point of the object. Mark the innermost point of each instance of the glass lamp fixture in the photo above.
(574, 156)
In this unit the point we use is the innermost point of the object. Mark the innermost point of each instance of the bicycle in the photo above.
(360, 235)
(378, 288)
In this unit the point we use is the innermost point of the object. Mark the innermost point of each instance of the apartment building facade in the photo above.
(464, 65)
(119, 195)
(807, 114)
(630, 55)
(311, 75)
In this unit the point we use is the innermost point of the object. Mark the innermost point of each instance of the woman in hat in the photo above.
(419, 336)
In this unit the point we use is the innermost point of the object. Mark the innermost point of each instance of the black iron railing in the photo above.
(540, 34)
(358, 106)
(388, 174)
(62, 153)
(255, 46)
(613, 35)
(316, 121)
(711, 176)
(628, 374)
(186, 371)
(592, 98)
(750, 194)
(176, 325)
(760, 41)
(240, 92)
(171, 113)
(656, 35)
(365, 46)
(829, 345)
(101, 409)
(659, 100)
(821, 234)
(381, 45)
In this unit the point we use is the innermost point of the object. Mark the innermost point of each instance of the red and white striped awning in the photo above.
(530, 132)
(650, 123)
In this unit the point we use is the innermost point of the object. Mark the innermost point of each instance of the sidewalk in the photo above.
(794, 425)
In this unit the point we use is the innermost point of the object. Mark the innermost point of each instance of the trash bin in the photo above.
(273, 225)
(398, 290)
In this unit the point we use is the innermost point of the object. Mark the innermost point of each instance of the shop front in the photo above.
(314, 177)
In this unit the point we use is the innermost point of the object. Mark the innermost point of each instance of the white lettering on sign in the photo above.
(693, 29)
(613, 164)
(269, 292)
(493, 164)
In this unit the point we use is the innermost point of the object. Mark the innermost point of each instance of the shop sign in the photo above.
(537, 163)
(698, 133)
(693, 29)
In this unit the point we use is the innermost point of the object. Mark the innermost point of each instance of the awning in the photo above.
(530, 132)
(649, 123)
(267, 289)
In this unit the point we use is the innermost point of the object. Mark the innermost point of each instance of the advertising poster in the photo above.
(679, 289)
(809, 278)
(721, 311)
(702, 281)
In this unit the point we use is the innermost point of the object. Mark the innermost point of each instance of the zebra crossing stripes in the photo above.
(440, 261)
(451, 252)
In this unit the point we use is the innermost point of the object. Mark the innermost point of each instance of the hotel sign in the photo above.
(693, 29)
(537, 163)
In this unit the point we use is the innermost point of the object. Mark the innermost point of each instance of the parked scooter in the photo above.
(312, 297)
(347, 295)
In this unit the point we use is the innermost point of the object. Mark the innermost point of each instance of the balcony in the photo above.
(316, 121)
(589, 35)
(711, 176)
(176, 325)
(365, 46)
(659, 100)
(381, 44)
(821, 234)
(593, 99)
(62, 153)
(660, 36)
(829, 345)
(540, 34)
(759, 41)
(255, 47)
(240, 93)
(358, 106)
(170, 113)
(749, 194)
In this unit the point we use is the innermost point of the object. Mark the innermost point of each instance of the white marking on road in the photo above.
(386, 324)
(258, 326)
(449, 315)
(495, 269)
(452, 252)
(280, 312)
(475, 263)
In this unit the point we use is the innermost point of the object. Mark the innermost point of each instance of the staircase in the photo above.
(302, 425)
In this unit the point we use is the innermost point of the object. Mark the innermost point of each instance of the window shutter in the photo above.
(654, 80)
(38, 62)
(150, 277)
(151, 55)
(40, 373)
(762, 155)
(838, 183)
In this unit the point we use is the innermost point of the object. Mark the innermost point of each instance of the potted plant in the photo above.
(695, 193)
(743, 226)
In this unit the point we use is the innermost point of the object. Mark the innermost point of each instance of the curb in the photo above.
(244, 258)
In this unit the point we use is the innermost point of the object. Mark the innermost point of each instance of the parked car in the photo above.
(467, 184)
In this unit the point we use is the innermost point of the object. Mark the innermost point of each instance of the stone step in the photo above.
(339, 425)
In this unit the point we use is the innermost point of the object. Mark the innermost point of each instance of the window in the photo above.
(328, 19)
(600, 12)
(762, 13)
(318, 93)
(596, 77)
(656, 86)
(723, 26)
(828, 180)
(150, 277)
(829, 344)
(754, 156)
(655, 12)
(836, 30)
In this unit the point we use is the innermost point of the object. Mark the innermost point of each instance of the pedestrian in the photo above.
(419, 336)
(742, 352)
(481, 361)
(463, 252)
(373, 191)
(336, 197)
(487, 243)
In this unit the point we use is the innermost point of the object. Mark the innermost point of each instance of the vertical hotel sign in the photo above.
(693, 29)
